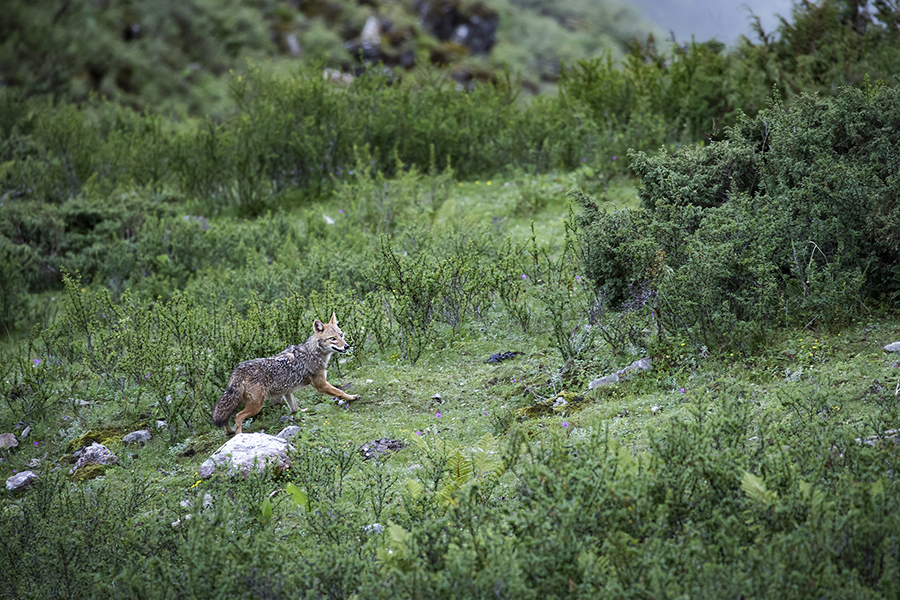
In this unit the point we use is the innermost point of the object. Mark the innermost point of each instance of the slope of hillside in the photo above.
(175, 55)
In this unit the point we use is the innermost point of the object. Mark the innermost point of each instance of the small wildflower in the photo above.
(418, 433)
(37, 361)
(340, 211)
(682, 390)
(524, 276)
(614, 157)
(485, 413)
(583, 160)
(565, 423)
(438, 415)
(489, 183)
(36, 443)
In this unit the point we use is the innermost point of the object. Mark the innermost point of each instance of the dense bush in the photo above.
(791, 219)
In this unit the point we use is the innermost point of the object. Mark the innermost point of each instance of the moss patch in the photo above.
(88, 472)
(563, 404)
(105, 436)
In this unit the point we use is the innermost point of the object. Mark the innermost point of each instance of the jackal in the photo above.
(255, 380)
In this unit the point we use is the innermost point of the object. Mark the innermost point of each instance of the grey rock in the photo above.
(376, 448)
(141, 436)
(26, 432)
(892, 347)
(608, 380)
(8, 440)
(289, 432)
(643, 364)
(247, 452)
(20, 481)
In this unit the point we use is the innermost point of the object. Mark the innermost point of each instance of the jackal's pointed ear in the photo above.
(333, 320)
(318, 326)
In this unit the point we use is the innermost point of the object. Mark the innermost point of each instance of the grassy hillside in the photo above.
(751, 265)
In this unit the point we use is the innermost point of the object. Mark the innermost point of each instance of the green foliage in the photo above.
(788, 221)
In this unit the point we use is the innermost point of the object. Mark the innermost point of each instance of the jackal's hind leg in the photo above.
(292, 404)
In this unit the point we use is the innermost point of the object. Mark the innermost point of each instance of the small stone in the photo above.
(289, 432)
(604, 381)
(892, 347)
(25, 432)
(160, 424)
(436, 397)
(8, 440)
(328, 220)
(374, 528)
(137, 437)
(375, 448)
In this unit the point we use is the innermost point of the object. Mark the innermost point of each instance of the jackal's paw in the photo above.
(353, 396)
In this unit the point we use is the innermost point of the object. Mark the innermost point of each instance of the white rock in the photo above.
(95, 454)
(892, 347)
(8, 440)
(20, 481)
(245, 452)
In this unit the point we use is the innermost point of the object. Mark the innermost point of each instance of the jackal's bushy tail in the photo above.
(228, 403)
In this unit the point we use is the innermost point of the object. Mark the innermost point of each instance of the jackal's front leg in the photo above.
(321, 385)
